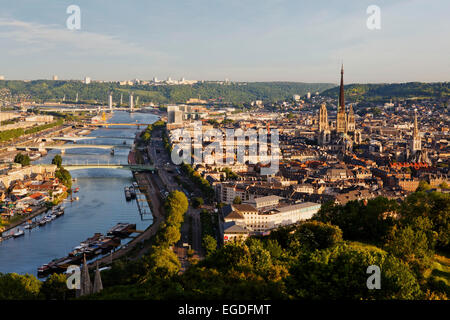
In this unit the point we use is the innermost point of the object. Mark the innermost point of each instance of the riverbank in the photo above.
(32, 215)
(101, 204)
(158, 217)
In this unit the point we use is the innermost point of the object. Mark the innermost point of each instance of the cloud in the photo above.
(34, 37)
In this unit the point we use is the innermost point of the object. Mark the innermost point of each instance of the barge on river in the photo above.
(91, 247)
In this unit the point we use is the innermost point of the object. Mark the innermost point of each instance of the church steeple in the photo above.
(341, 121)
(341, 90)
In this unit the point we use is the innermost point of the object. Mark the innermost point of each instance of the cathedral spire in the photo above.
(341, 91)
(341, 121)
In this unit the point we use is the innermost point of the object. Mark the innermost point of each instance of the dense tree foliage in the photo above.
(305, 261)
(359, 220)
(147, 133)
(99, 92)
(55, 288)
(57, 159)
(434, 206)
(388, 91)
(340, 272)
(209, 243)
(19, 287)
(23, 159)
(414, 244)
(208, 222)
(316, 235)
(10, 134)
(64, 176)
(237, 200)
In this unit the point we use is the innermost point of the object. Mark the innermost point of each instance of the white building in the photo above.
(55, 77)
(264, 203)
(227, 193)
(245, 217)
(174, 115)
(87, 80)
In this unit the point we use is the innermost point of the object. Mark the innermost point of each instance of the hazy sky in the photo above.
(243, 40)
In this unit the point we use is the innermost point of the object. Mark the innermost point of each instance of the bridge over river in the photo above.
(78, 138)
(75, 146)
(99, 165)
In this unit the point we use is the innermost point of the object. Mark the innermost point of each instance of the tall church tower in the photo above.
(341, 121)
(324, 136)
(323, 118)
(416, 143)
(351, 120)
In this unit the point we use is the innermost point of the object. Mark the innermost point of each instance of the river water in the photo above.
(101, 203)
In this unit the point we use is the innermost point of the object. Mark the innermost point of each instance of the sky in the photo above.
(242, 40)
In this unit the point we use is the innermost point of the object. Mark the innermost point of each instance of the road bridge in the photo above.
(65, 147)
(76, 139)
(116, 124)
(99, 165)
(132, 167)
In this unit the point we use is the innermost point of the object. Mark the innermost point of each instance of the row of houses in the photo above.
(24, 189)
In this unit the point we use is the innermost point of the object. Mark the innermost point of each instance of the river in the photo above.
(101, 202)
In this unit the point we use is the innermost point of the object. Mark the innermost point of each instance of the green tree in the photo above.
(19, 287)
(360, 220)
(434, 206)
(57, 159)
(209, 244)
(161, 263)
(317, 235)
(169, 235)
(340, 273)
(55, 287)
(237, 200)
(414, 244)
(23, 159)
(64, 177)
(260, 256)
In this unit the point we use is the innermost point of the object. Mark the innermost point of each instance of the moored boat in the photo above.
(18, 233)
(132, 192)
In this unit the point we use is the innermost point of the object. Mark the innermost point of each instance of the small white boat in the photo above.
(27, 226)
(18, 233)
